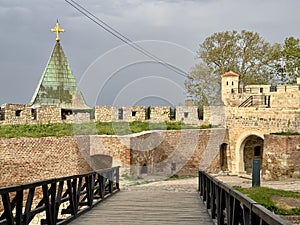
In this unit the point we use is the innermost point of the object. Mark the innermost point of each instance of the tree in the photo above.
(289, 69)
(245, 53)
(204, 86)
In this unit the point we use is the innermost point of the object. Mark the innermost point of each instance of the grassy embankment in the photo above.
(65, 129)
(265, 197)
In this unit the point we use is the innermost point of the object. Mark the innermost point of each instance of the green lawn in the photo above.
(65, 129)
(263, 196)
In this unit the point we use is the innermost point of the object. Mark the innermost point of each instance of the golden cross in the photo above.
(57, 30)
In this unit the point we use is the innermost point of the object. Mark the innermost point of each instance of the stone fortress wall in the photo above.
(25, 114)
(249, 114)
(32, 159)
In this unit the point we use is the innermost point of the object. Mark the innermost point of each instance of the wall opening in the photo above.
(120, 114)
(33, 114)
(172, 113)
(223, 157)
(133, 113)
(65, 113)
(18, 113)
(252, 148)
(186, 114)
(2, 117)
(144, 169)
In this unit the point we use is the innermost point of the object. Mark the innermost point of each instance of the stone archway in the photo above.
(251, 148)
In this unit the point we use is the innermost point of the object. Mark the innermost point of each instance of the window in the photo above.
(33, 114)
(227, 83)
(133, 113)
(120, 114)
(18, 113)
(261, 90)
(232, 83)
(186, 115)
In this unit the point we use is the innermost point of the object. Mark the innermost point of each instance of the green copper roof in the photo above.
(58, 85)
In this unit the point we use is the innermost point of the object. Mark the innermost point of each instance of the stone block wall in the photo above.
(187, 114)
(25, 160)
(16, 114)
(243, 122)
(271, 119)
(281, 157)
(133, 113)
(24, 114)
(159, 114)
(214, 115)
(187, 149)
(49, 113)
(106, 113)
(291, 100)
(78, 117)
(116, 146)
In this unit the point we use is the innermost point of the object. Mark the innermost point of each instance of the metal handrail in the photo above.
(228, 206)
(21, 203)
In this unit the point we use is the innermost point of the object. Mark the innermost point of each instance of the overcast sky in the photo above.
(109, 72)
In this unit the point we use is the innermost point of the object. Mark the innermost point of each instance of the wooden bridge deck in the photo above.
(142, 207)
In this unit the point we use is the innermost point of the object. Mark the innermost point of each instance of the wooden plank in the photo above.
(131, 207)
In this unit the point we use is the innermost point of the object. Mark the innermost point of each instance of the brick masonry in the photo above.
(281, 157)
(31, 159)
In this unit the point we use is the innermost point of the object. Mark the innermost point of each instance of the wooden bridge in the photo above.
(130, 207)
(75, 200)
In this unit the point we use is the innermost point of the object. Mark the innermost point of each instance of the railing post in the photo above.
(118, 178)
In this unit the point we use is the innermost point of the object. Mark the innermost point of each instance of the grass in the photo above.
(263, 196)
(66, 129)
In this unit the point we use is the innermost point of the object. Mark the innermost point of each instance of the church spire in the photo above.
(58, 85)
(57, 30)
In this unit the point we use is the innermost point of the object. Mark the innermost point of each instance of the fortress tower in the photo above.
(230, 84)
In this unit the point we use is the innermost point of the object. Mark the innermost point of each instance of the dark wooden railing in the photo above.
(59, 200)
(256, 100)
(228, 206)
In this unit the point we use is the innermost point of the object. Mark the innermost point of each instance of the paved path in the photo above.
(164, 202)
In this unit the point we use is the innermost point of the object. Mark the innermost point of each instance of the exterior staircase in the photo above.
(256, 100)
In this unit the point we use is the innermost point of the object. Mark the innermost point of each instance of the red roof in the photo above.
(230, 74)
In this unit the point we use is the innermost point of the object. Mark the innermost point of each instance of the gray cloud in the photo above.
(26, 41)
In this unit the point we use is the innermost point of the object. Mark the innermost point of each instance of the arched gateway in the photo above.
(251, 148)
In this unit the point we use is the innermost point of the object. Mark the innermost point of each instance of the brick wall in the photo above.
(25, 160)
(281, 156)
